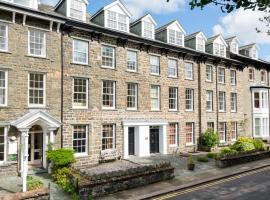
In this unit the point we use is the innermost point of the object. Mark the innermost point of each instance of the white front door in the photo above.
(35, 148)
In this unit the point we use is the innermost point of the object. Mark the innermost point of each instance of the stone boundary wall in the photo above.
(112, 182)
(9, 169)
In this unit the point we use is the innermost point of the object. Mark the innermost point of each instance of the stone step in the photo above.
(37, 171)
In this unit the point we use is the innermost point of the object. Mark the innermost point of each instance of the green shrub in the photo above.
(60, 176)
(212, 155)
(61, 157)
(203, 159)
(258, 144)
(210, 138)
(225, 152)
(243, 145)
(33, 183)
(190, 160)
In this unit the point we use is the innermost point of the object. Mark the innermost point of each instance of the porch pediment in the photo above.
(36, 118)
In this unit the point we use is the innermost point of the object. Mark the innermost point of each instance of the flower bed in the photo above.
(241, 158)
(110, 182)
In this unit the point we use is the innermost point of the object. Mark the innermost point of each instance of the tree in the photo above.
(230, 5)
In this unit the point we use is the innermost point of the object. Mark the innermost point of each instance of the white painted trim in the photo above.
(114, 56)
(44, 90)
(6, 88)
(87, 56)
(154, 109)
(87, 93)
(83, 154)
(43, 50)
(114, 98)
(136, 97)
(7, 36)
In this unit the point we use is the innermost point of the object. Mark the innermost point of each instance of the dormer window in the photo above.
(117, 21)
(200, 43)
(176, 37)
(148, 30)
(234, 47)
(219, 50)
(27, 3)
(254, 53)
(22, 2)
(77, 9)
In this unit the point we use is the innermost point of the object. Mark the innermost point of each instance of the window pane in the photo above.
(154, 65)
(80, 51)
(189, 133)
(80, 93)
(189, 71)
(222, 131)
(108, 56)
(37, 42)
(3, 38)
(3, 88)
(132, 60)
(80, 138)
(108, 94)
(173, 98)
(132, 95)
(108, 136)
(189, 99)
(36, 89)
(148, 30)
(76, 9)
(172, 68)
(173, 133)
(155, 97)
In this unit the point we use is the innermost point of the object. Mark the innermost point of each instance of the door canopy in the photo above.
(39, 117)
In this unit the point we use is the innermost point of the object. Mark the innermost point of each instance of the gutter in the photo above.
(62, 86)
(200, 102)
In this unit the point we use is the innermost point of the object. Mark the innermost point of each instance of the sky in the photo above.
(210, 20)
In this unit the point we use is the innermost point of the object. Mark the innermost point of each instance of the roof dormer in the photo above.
(233, 44)
(251, 50)
(216, 45)
(172, 33)
(26, 3)
(145, 27)
(74, 9)
(114, 16)
(196, 41)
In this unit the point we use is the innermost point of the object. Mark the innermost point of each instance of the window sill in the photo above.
(188, 79)
(221, 83)
(222, 111)
(158, 75)
(37, 107)
(104, 67)
(131, 71)
(5, 52)
(173, 77)
(80, 155)
(172, 145)
(155, 110)
(189, 110)
(109, 109)
(74, 108)
(38, 57)
(208, 81)
(81, 64)
(210, 111)
(173, 111)
(133, 110)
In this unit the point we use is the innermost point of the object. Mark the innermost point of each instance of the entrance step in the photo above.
(37, 171)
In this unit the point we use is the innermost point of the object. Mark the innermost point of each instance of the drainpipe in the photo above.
(217, 106)
(199, 101)
(62, 85)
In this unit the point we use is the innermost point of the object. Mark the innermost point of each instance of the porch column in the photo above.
(52, 134)
(126, 142)
(24, 159)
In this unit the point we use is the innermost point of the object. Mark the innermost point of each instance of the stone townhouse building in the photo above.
(97, 82)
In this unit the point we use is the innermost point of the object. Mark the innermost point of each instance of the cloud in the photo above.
(243, 24)
(139, 7)
(50, 2)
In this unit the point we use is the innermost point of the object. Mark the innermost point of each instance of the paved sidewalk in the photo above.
(185, 180)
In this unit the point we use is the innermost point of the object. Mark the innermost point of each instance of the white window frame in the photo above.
(152, 65)
(155, 98)
(113, 136)
(145, 31)
(209, 99)
(222, 140)
(191, 100)
(263, 76)
(200, 42)
(175, 68)
(174, 99)
(234, 131)
(192, 134)
(263, 100)
(135, 62)
(263, 126)
(73, 92)
(223, 101)
(174, 39)
(219, 49)
(44, 90)
(116, 21)
(43, 50)
(176, 134)
(73, 52)
(114, 93)
(5, 144)
(83, 11)
(113, 58)
(209, 73)
(209, 125)
(233, 102)
(86, 140)
(188, 70)
(6, 38)
(5, 88)
(136, 96)
(233, 77)
(234, 47)
(221, 77)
